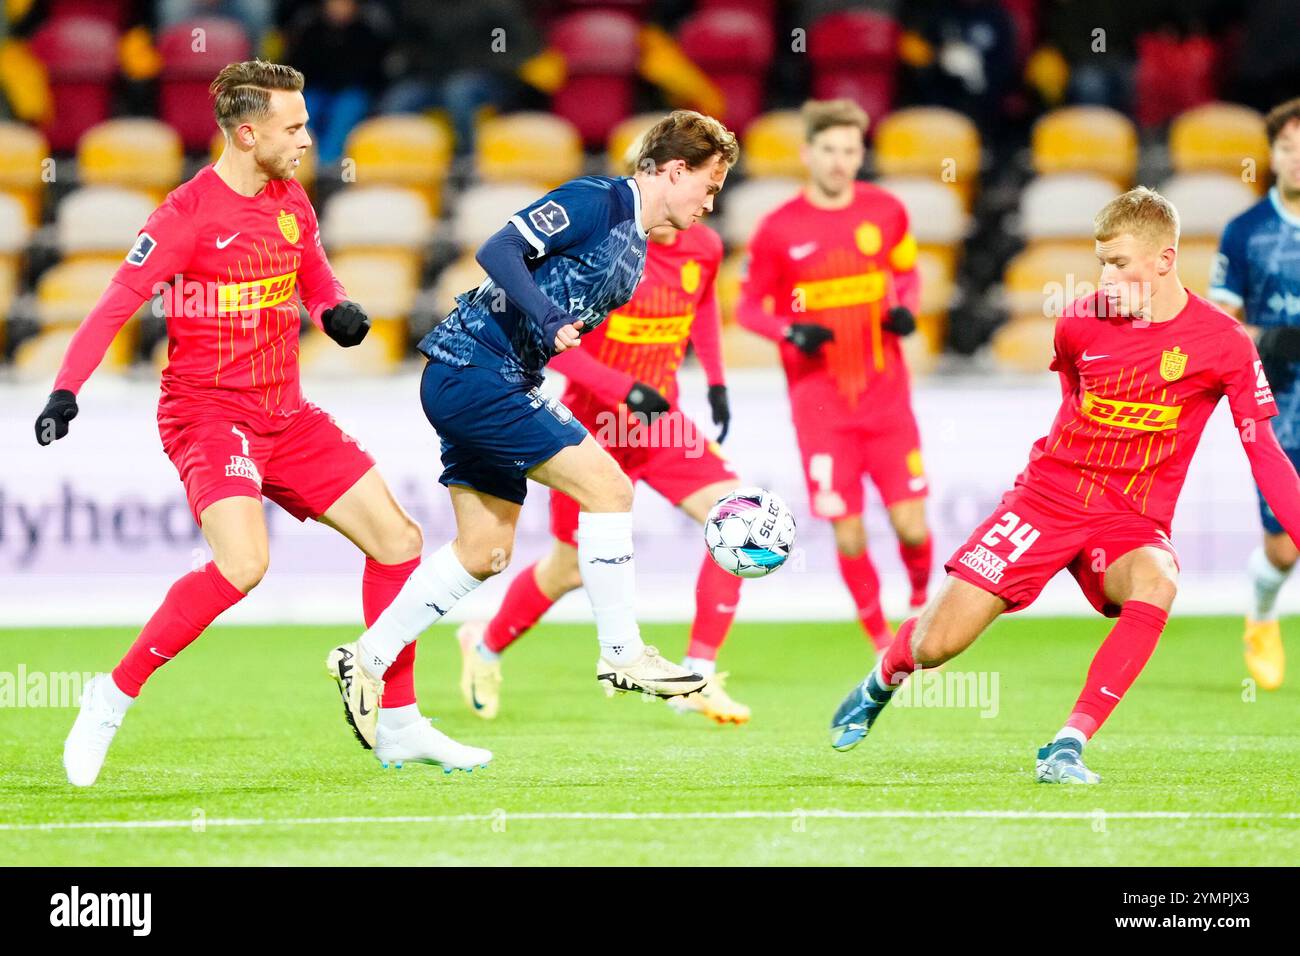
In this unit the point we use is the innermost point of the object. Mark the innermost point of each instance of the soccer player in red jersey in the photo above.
(622, 385)
(1142, 364)
(832, 277)
(233, 251)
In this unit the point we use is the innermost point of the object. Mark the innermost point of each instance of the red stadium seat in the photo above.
(600, 51)
(80, 54)
(1174, 75)
(115, 13)
(855, 55)
(183, 100)
(734, 47)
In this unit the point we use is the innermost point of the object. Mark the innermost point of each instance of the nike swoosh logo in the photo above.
(222, 243)
(804, 251)
(1110, 693)
(726, 608)
(621, 559)
(473, 696)
(441, 612)
(362, 709)
(1085, 357)
(154, 650)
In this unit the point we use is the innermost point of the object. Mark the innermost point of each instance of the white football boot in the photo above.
(92, 733)
(420, 742)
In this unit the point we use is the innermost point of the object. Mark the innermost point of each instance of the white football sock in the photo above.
(609, 576)
(698, 665)
(1266, 580)
(430, 592)
(114, 696)
(486, 653)
(395, 718)
(1071, 733)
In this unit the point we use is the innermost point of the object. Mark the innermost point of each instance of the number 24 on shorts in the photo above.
(1021, 534)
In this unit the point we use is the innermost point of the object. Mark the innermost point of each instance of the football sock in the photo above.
(864, 585)
(916, 559)
(116, 698)
(1117, 664)
(704, 666)
(523, 606)
(716, 596)
(191, 604)
(380, 583)
(431, 591)
(609, 576)
(898, 661)
(1071, 733)
(1266, 580)
(395, 718)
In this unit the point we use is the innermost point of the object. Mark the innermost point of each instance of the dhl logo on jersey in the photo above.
(257, 293)
(1143, 416)
(843, 292)
(652, 330)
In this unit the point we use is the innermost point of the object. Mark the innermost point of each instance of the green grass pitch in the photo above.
(241, 745)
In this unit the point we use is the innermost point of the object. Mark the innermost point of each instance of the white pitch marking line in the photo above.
(829, 814)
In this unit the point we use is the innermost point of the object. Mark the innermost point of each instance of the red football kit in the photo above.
(1105, 479)
(645, 341)
(231, 270)
(851, 402)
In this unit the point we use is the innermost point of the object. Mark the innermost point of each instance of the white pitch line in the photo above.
(826, 814)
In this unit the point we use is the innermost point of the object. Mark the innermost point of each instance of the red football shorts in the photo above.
(304, 466)
(1025, 542)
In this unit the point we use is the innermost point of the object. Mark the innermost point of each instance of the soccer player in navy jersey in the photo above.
(554, 271)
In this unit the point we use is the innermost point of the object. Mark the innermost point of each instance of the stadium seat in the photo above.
(936, 272)
(101, 222)
(15, 230)
(1207, 201)
(1196, 263)
(413, 152)
(734, 46)
(1221, 137)
(748, 202)
(23, 158)
(386, 285)
(80, 55)
(601, 51)
(1046, 276)
(621, 138)
(482, 210)
(1062, 205)
(770, 146)
(935, 214)
(306, 173)
(728, 285)
(536, 148)
(183, 100)
(460, 276)
(378, 218)
(1025, 344)
(115, 13)
(932, 143)
(1086, 139)
(143, 154)
(854, 54)
(65, 295)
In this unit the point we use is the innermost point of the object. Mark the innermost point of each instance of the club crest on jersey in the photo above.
(288, 224)
(867, 236)
(690, 276)
(1173, 362)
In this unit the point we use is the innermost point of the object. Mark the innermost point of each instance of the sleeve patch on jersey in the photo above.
(549, 218)
(1219, 271)
(144, 245)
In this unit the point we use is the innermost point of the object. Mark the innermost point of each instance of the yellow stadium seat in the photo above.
(1086, 139)
(461, 276)
(385, 284)
(378, 219)
(1047, 276)
(621, 138)
(744, 204)
(482, 210)
(1025, 343)
(15, 230)
(143, 154)
(936, 268)
(65, 295)
(1207, 201)
(770, 146)
(933, 143)
(25, 167)
(306, 173)
(413, 152)
(321, 358)
(101, 221)
(1223, 137)
(1063, 205)
(1196, 263)
(935, 213)
(728, 285)
(537, 148)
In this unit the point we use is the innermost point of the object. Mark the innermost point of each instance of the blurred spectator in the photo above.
(340, 45)
(255, 16)
(1095, 40)
(460, 57)
(1269, 62)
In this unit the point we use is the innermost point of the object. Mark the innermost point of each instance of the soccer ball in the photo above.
(749, 533)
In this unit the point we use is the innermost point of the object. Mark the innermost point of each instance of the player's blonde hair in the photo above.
(818, 115)
(1141, 212)
(689, 136)
(242, 91)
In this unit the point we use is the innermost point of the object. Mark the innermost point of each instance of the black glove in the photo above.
(900, 321)
(808, 337)
(52, 424)
(346, 323)
(1278, 348)
(644, 402)
(721, 409)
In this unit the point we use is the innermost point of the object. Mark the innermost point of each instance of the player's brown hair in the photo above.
(1279, 116)
(242, 91)
(1141, 212)
(690, 136)
(818, 115)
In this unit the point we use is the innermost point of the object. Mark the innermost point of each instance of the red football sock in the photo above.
(523, 607)
(191, 604)
(379, 585)
(1117, 664)
(898, 662)
(864, 584)
(917, 558)
(716, 595)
